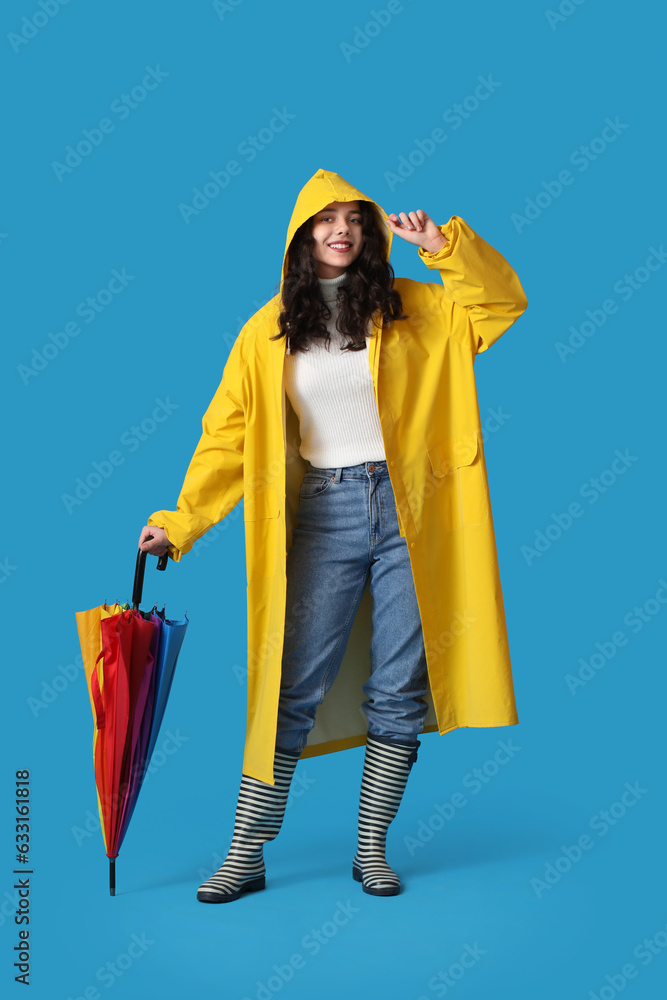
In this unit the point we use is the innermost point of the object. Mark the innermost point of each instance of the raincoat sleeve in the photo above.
(481, 294)
(213, 482)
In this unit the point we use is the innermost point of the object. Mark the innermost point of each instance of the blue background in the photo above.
(166, 335)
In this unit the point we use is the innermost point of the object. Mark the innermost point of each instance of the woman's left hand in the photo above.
(418, 228)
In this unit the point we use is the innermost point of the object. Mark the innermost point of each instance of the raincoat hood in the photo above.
(324, 187)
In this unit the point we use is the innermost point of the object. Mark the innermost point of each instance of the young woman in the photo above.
(347, 419)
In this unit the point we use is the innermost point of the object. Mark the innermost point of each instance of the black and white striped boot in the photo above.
(259, 816)
(386, 768)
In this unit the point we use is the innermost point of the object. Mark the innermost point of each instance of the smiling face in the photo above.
(338, 237)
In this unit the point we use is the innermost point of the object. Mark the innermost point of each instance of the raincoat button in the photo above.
(412, 545)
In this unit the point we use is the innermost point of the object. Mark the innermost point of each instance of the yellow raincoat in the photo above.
(422, 369)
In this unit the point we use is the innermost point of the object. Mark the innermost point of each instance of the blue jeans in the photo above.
(347, 528)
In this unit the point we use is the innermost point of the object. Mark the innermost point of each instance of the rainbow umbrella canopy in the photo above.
(129, 658)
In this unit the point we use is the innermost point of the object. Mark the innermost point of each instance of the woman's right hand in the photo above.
(158, 545)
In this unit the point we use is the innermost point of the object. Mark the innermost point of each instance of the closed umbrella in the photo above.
(129, 661)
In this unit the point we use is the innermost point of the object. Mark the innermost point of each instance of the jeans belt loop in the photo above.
(339, 473)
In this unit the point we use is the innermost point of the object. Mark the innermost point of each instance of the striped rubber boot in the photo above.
(259, 816)
(386, 768)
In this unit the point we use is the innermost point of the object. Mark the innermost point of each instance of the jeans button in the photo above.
(371, 468)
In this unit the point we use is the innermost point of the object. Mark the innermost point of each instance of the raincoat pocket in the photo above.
(260, 502)
(460, 460)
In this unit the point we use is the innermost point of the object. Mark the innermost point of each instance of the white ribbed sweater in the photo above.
(332, 394)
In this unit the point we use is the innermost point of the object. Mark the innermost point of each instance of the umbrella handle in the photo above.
(139, 573)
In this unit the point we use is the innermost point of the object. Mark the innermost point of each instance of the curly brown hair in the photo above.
(367, 288)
